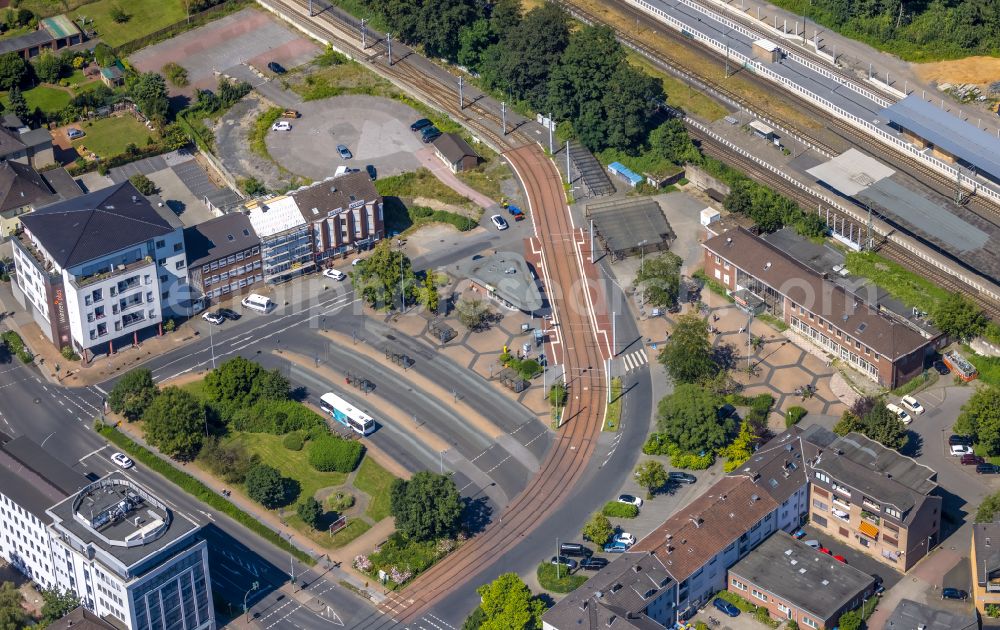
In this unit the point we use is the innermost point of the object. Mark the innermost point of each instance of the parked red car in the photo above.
(840, 559)
(826, 551)
(972, 460)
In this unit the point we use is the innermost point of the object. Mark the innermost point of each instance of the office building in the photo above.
(286, 247)
(344, 215)
(223, 256)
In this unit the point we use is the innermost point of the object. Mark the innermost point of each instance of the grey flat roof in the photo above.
(954, 135)
(910, 615)
(104, 494)
(34, 479)
(802, 576)
(36, 137)
(219, 238)
(510, 277)
(28, 40)
(624, 224)
(851, 172)
(63, 183)
(986, 539)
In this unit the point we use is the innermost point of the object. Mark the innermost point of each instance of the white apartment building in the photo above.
(132, 560)
(101, 270)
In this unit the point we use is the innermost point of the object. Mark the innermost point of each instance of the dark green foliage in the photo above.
(143, 184)
(475, 619)
(239, 383)
(988, 509)
(293, 441)
(133, 393)
(959, 318)
(850, 620)
(253, 186)
(330, 453)
(50, 67)
(426, 507)
(980, 419)
(690, 418)
(793, 415)
(660, 277)
(310, 511)
(18, 104)
(12, 613)
(671, 142)
(230, 462)
(57, 604)
(656, 444)
(769, 210)
(118, 14)
(274, 416)
(379, 276)
(15, 345)
(13, 69)
(175, 423)
(869, 417)
(104, 55)
(614, 509)
(265, 486)
(687, 355)
(507, 603)
(149, 92)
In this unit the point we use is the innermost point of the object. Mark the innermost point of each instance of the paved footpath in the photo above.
(443, 173)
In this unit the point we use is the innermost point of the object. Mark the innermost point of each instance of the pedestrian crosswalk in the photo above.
(634, 360)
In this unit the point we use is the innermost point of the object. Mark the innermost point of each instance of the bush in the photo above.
(614, 509)
(793, 415)
(118, 14)
(175, 73)
(293, 442)
(340, 501)
(330, 453)
(276, 417)
(229, 462)
(15, 345)
(143, 184)
(659, 444)
(265, 486)
(310, 511)
(564, 583)
(68, 354)
(252, 186)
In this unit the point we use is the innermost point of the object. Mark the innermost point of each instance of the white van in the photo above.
(258, 303)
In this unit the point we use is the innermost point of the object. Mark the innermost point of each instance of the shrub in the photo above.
(230, 462)
(175, 73)
(252, 186)
(659, 444)
(330, 453)
(293, 442)
(614, 509)
(340, 501)
(143, 184)
(276, 417)
(68, 353)
(793, 415)
(265, 485)
(15, 345)
(118, 14)
(310, 511)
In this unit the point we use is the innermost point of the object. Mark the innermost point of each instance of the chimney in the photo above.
(583, 605)
(754, 499)
(729, 241)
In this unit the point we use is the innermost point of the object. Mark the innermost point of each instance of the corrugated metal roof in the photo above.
(947, 132)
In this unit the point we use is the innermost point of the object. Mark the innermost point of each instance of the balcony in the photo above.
(871, 505)
(131, 268)
(844, 516)
(844, 504)
(871, 518)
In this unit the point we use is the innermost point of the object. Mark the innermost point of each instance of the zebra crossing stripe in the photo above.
(635, 360)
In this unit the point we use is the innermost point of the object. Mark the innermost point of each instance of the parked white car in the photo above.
(630, 499)
(334, 274)
(281, 125)
(961, 449)
(905, 417)
(625, 538)
(121, 460)
(912, 404)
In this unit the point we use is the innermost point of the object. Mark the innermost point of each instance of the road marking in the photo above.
(94, 452)
(47, 439)
(98, 388)
(635, 360)
(471, 461)
(441, 620)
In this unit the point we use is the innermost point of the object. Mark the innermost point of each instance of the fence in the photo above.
(762, 70)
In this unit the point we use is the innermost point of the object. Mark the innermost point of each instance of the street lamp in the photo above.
(253, 587)
(642, 254)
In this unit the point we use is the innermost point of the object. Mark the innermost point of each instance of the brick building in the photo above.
(762, 278)
(223, 256)
(984, 558)
(344, 215)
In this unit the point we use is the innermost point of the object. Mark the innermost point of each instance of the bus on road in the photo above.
(346, 414)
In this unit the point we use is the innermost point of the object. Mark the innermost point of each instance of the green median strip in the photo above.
(198, 490)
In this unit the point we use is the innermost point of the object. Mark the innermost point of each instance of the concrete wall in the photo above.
(703, 180)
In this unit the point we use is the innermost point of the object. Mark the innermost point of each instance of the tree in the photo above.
(585, 67)
(473, 314)
(507, 604)
(18, 105)
(426, 507)
(239, 383)
(691, 419)
(885, 427)
(49, 67)
(440, 23)
(12, 613)
(13, 68)
(687, 355)
(133, 393)
(741, 448)
(520, 64)
(980, 418)
(118, 14)
(671, 141)
(57, 604)
(265, 486)
(959, 318)
(660, 277)
(848, 423)
(598, 529)
(143, 184)
(310, 512)
(175, 423)
(630, 100)
(253, 186)
(988, 509)
(473, 40)
(428, 296)
(382, 277)
(104, 55)
(850, 620)
(651, 475)
(149, 91)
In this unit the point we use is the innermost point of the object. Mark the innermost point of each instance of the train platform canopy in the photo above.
(851, 172)
(628, 226)
(949, 133)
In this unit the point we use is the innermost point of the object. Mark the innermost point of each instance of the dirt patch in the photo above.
(434, 204)
(978, 70)
(428, 238)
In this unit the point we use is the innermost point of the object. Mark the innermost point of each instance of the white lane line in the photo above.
(94, 452)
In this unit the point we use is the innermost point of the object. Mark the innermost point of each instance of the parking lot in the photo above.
(376, 130)
(249, 36)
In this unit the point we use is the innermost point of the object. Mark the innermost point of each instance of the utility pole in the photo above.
(388, 43)
(503, 116)
(591, 240)
(558, 559)
(291, 570)
(567, 162)
(550, 126)
(402, 293)
(614, 333)
(310, 8)
(364, 35)
(461, 96)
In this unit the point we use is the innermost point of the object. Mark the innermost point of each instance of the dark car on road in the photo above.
(972, 460)
(372, 173)
(959, 439)
(941, 368)
(681, 477)
(276, 67)
(229, 313)
(420, 124)
(954, 593)
(594, 563)
(563, 560)
(987, 469)
(726, 607)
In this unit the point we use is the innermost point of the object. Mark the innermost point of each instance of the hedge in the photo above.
(198, 490)
(330, 453)
(276, 417)
(614, 509)
(793, 415)
(658, 444)
(15, 345)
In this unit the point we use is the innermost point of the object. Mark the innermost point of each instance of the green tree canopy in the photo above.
(691, 419)
(660, 278)
(133, 393)
(57, 604)
(959, 318)
(876, 423)
(18, 104)
(592, 56)
(988, 509)
(508, 605)
(652, 476)
(741, 448)
(631, 98)
(49, 67)
(598, 529)
(687, 355)
(310, 511)
(980, 418)
(427, 506)
(149, 91)
(13, 616)
(474, 314)
(265, 486)
(382, 276)
(240, 382)
(175, 423)
(13, 69)
(671, 141)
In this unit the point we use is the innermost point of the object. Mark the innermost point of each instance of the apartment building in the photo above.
(872, 498)
(984, 559)
(102, 269)
(762, 278)
(344, 215)
(796, 582)
(223, 256)
(22, 190)
(285, 238)
(779, 469)
(129, 558)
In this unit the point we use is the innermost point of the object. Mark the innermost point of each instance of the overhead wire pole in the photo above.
(567, 163)
(388, 43)
(364, 35)
(503, 116)
(550, 125)
(461, 95)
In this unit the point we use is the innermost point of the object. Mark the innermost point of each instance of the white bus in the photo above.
(346, 414)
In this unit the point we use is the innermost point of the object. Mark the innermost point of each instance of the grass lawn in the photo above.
(419, 183)
(197, 388)
(614, 414)
(680, 94)
(77, 78)
(486, 179)
(374, 481)
(48, 99)
(110, 136)
(355, 527)
(980, 450)
(146, 16)
(566, 583)
(292, 464)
